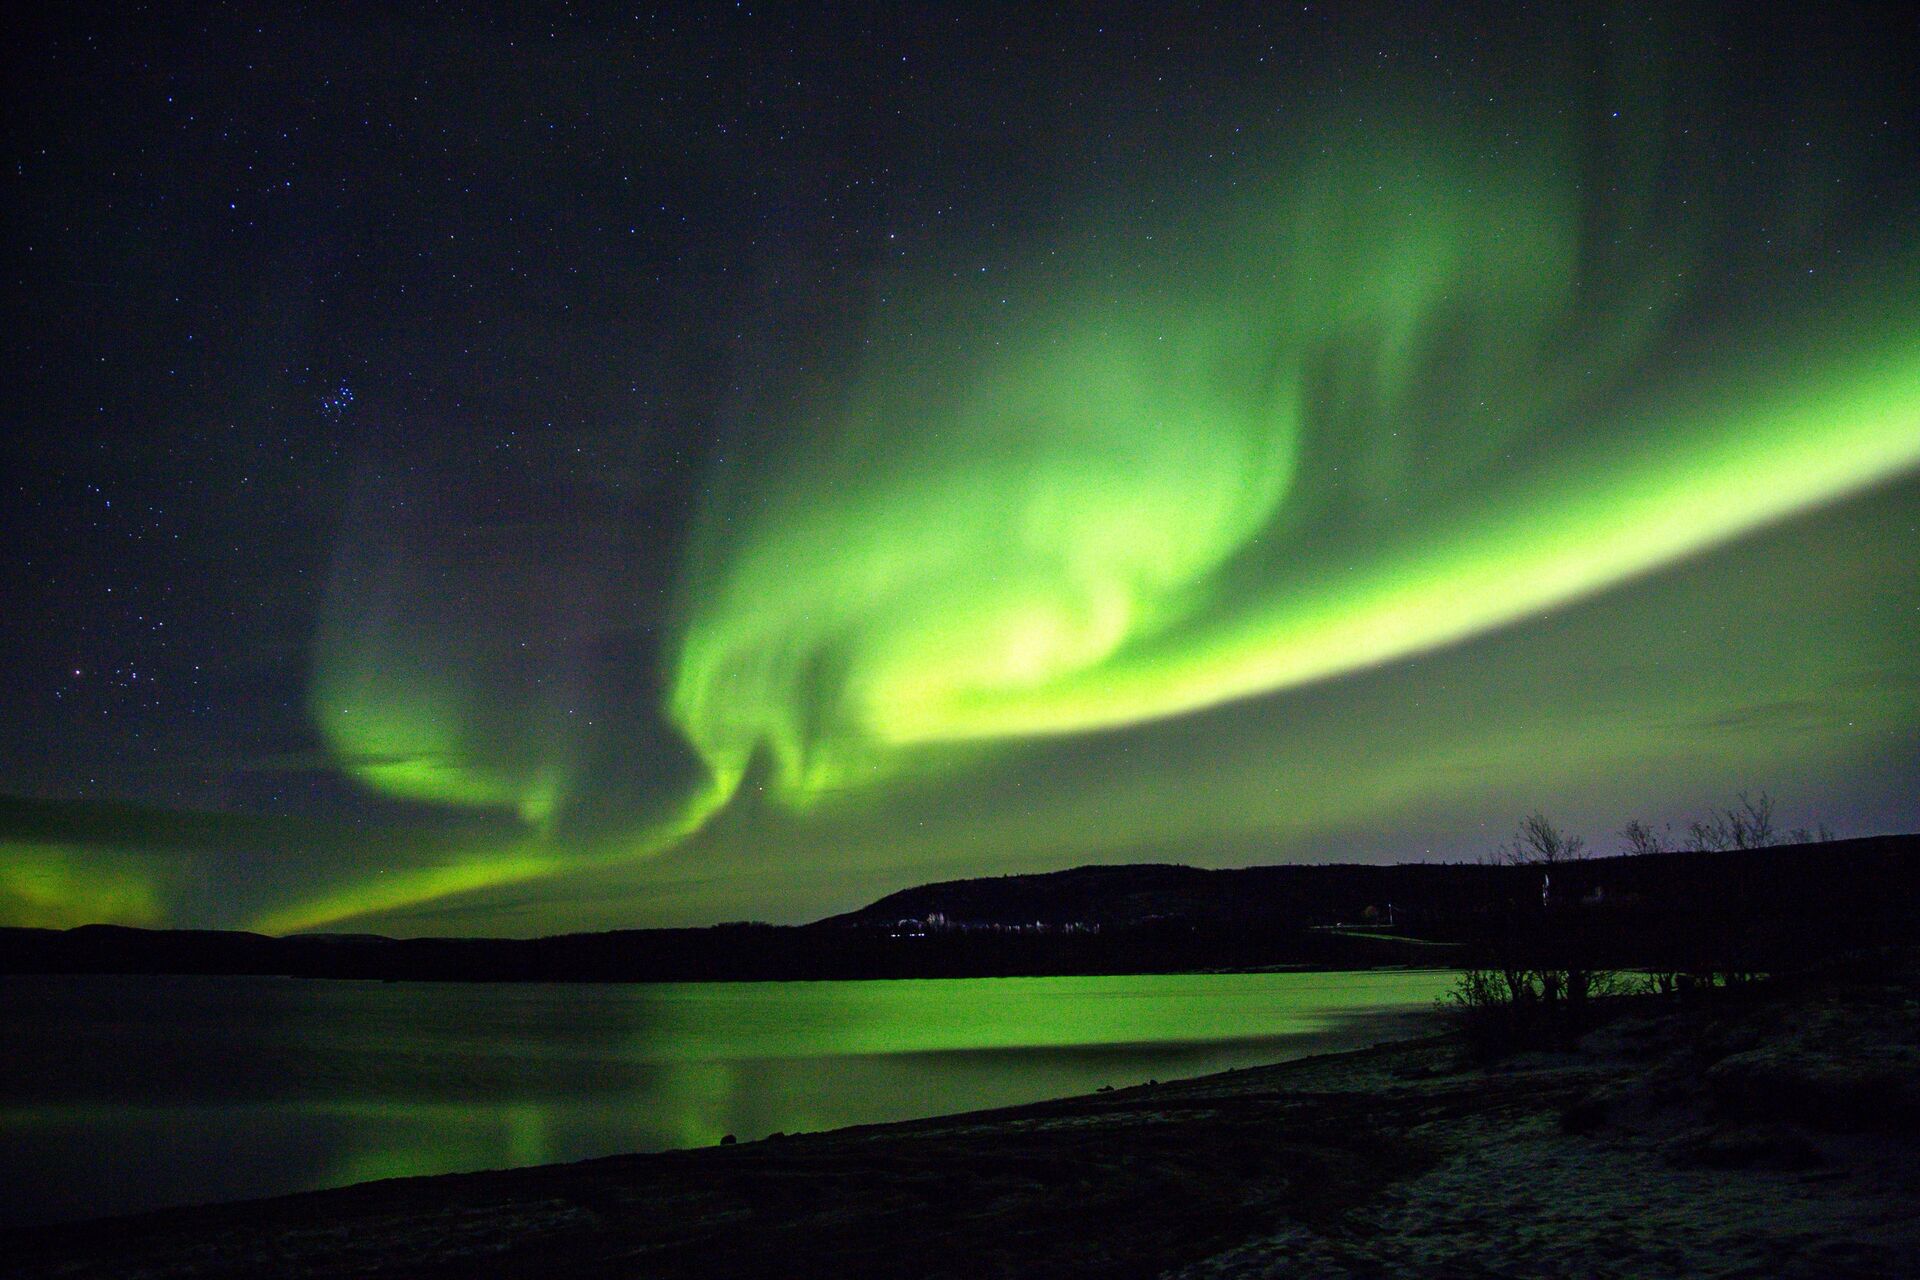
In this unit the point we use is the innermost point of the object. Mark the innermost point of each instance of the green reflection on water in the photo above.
(131, 1093)
(767, 1020)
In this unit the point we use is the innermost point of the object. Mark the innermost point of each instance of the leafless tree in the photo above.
(1537, 842)
(1750, 826)
(1706, 836)
(1642, 838)
(1530, 978)
(1753, 823)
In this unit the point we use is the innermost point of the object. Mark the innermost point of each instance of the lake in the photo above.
(126, 1093)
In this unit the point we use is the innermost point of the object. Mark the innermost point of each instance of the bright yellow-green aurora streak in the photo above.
(1095, 530)
(690, 490)
(1384, 405)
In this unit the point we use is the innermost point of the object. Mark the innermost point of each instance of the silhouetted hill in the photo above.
(1838, 878)
(1135, 895)
(1772, 908)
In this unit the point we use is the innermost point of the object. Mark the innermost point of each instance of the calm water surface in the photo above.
(124, 1093)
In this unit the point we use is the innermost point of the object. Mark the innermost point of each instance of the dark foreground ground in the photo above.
(1773, 1135)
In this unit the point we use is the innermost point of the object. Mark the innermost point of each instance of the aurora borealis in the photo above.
(584, 475)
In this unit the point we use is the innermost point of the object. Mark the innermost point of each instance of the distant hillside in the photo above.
(1135, 895)
(1776, 908)
(1840, 878)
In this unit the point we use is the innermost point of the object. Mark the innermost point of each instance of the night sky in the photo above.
(503, 473)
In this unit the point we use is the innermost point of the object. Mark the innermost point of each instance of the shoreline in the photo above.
(1709, 1140)
(284, 1092)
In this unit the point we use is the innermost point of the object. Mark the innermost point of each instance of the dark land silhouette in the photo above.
(1726, 1124)
(1770, 909)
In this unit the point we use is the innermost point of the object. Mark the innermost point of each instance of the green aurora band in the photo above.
(1099, 527)
(51, 886)
(1408, 392)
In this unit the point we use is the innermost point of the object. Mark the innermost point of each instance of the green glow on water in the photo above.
(175, 1089)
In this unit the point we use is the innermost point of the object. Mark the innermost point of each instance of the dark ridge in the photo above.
(1778, 908)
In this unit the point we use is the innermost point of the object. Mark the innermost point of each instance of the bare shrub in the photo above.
(1494, 1008)
(1538, 842)
(1642, 838)
(1748, 826)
